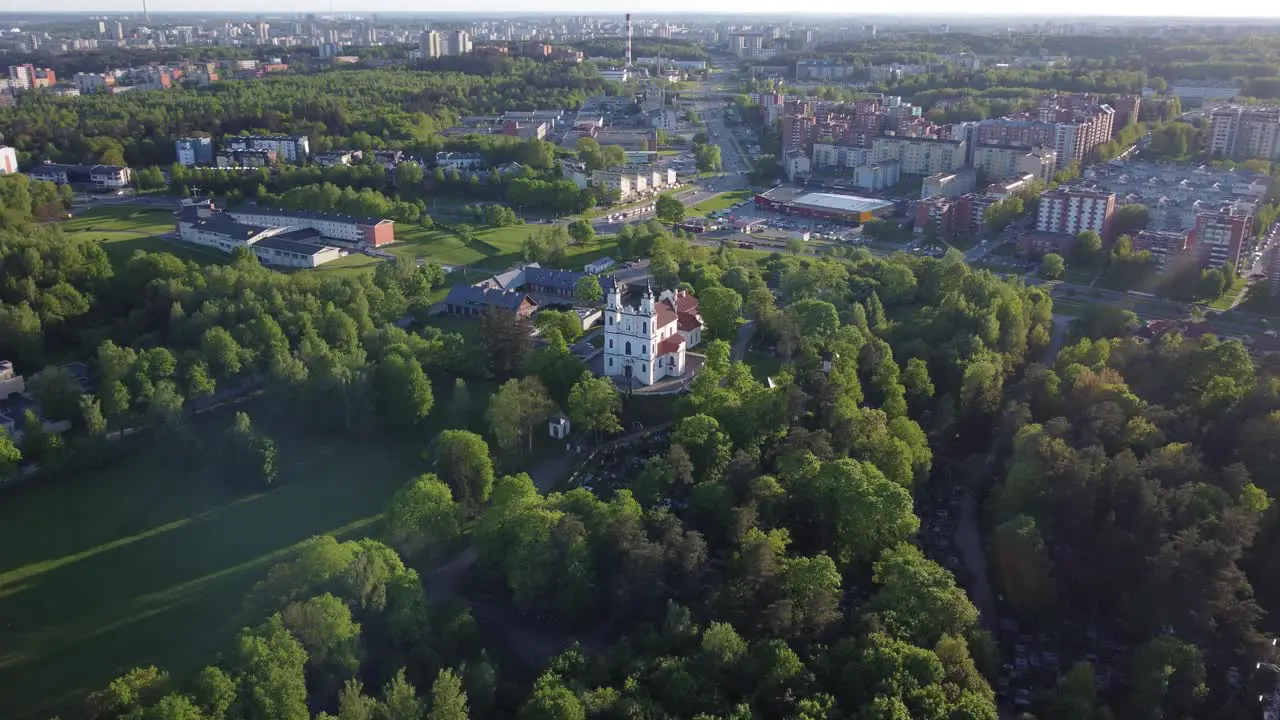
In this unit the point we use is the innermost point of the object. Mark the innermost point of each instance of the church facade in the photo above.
(646, 337)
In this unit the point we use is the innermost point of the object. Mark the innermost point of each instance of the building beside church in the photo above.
(646, 337)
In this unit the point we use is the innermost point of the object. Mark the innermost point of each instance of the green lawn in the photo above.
(124, 231)
(122, 219)
(1223, 302)
(762, 365)
(719, 202)
(148, 560)
(1078, 277)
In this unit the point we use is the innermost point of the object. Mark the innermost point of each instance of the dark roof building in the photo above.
(473, 300)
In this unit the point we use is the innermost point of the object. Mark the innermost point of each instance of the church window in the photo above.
(610, 362)
(644, 327)
(610, 343)
(610, 319)
(644, 367)
(644, 349)
(628, 348)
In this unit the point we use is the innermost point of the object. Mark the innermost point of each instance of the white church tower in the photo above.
(647, 341)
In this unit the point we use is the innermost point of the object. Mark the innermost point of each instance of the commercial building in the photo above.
(948, 184)
(288, 148)
(920, 155)
(1240, 133)
(279, 246)
(362, 232)
(830, 206)
(1072, 210)
(8, 160)
(1004, 161)
(1219, 239)
(193, 151)
(89, 177)
(646, 337)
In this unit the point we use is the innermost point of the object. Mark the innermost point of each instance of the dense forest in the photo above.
(401, 108)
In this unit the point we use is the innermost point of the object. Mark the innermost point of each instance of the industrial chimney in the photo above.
(628, 41)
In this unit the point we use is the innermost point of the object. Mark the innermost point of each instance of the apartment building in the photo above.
(1164, 245)
(91, 177)
(1240, 133)
(1005, 161)
(920, 155)
(1219, 239)
(8, 160)
(289, 148)
(359, 231)
(1068, 125)
(833, 156)
(936, 215)
(192, 151)
(611, 181)
(460, 161)
(1072, 210)
(948, 184)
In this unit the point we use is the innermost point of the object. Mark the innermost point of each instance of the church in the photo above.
(645, 337)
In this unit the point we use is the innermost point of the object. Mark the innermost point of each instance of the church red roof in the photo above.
(670, 345)
(688, 322)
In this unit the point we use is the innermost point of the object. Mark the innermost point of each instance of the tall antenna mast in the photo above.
(628, 41)
(146, 16)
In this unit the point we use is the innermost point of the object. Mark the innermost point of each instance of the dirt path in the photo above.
(974, 557)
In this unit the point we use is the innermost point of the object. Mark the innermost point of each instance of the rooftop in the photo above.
(223, 225)
(841, 203)
(301, 248)
(307, 214)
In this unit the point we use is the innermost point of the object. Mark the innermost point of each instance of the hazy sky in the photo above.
(1167, 8)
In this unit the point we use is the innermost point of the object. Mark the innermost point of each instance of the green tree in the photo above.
(269, 666)
(1052, 266)
(448, 699)
(516, 409)
(918, 599)
(214, 691)
(462, 460)
(588, 290)
(422, 517)
(668, 209)
(594, 405)
(10, 456)
(408, 175)
(324, 627)
(1087, 251)
(582, 231)
(221, 351)
(400, 700)
(720, 308)
(402, 391)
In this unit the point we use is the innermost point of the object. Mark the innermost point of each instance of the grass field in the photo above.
(1078, 277)
(1223, 302)
(125, 230)
(717, 203)
(148, 561)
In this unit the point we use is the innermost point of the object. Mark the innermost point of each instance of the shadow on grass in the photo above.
(149, 561)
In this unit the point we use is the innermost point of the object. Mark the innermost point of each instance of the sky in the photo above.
(1165, 8)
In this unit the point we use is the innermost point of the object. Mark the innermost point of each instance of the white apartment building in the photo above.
(290, 148)
(920, 156)
(615, 181)
(1071, 211)
(431, 44)
(839, 157)
(1006, 161)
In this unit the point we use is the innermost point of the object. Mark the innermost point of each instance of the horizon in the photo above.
(1099, 10)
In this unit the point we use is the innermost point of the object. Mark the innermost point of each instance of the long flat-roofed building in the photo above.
(279, 246)
(832, 206)
(360, 231)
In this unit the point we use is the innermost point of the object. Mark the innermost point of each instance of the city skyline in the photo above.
(1143, 9)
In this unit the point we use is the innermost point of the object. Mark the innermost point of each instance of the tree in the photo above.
(448, 699)
(594, 405)
(668, 209)
(408, 175)
(221, 352)
(1052, 266)
(1129, 219)
(10, 456)
(422, 517)
(57, 392)
(505, 338)
(795, 246)
(582, 231)
(861, 512)
(1023, 568)
(918, 599)
(720, 308)
(269, 664)
(353, 704)
(565, 322)
(516, 409)
(551, 700)
(588, 290)
(1087, 250)
(249, 454)
(400, 700)
(462, 461)
(324, 627)
(214, 691)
